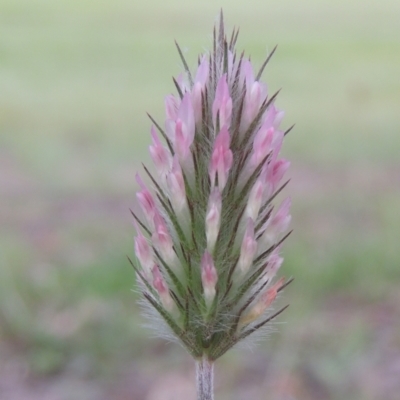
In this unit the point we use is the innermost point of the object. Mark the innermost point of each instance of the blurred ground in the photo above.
(76, 79)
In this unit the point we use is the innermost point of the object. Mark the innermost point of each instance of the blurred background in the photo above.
(76, 81)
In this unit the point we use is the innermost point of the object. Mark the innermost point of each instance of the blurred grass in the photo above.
(76, 78)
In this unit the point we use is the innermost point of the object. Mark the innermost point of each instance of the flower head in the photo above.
(209, 251)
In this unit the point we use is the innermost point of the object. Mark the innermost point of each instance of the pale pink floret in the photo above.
(246, 73)
(282, 217)
(256, 93)
(162, 289)
(176, 186)
(170, 129)
(278, 224)
(209, 276)
(262, 145)
(160, 155)
(146, 202)
(184, 128)
(222, 105)
(255, 199)
(182, 82)
(266, 299)
(274, 263)
(162, 240)
(248, 248)
(198, 87)
(270, 294)
(143, 251)
(273, 116)
(221, 159)
(275, 172)
(171, 107)
(254, 98)
(277, 142)
(213, 218)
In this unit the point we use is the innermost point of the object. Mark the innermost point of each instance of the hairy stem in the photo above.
(205, 378)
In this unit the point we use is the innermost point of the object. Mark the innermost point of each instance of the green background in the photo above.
(76, 81)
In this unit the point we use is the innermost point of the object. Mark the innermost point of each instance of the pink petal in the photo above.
(162, 288)
(176, 185)
(282, 218)
(222, 103)
(261, 146)
(159, 154)
(209, 276)
(274, 263)
(255, 199)
(202, 71)
(162, 239)
(198, 87)
(248, 248)
(184, 128)
(143, 251)
(146, 202)
(221, 159)
(213, 218)
(171, 107)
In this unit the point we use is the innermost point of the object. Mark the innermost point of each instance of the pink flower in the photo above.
(222, 105)
(275, 172)
(209, 277)
(221, 159)
(256, 93)
(273, 117)
(248, 248)
(176, 186)
(262, 145)
(198, 87)
(171, 107)
(274, 263)
(270, 295)
(160, 155)
(161, 286)
(267, 298)
(278, 224)
(184, 128)
(255, 199)
(162, 240)
(208, 220)
(213, 218)
(143, 251)
(146, 202)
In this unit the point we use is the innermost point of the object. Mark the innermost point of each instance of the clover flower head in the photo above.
(208, 241)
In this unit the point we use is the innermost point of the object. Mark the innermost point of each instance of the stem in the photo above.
(205, 379)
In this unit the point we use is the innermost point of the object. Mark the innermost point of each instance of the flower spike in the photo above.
(212, 238)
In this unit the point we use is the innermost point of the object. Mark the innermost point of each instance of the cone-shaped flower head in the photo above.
(209, 241)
